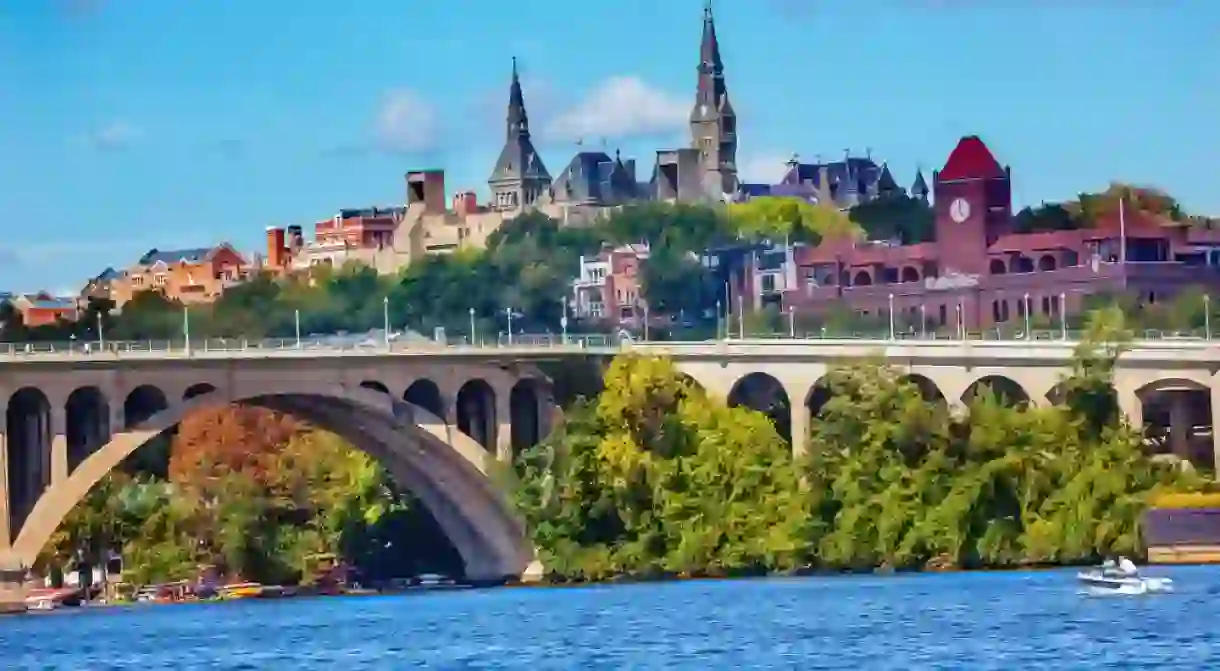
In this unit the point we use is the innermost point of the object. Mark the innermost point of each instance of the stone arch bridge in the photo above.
(437, 423)
(438, 418)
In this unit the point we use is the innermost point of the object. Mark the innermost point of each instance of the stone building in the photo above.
(979, 272)
(591, 184)
(189, 276)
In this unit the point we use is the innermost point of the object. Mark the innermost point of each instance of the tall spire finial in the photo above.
(518, 120)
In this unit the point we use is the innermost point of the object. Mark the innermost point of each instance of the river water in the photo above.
(953, 621)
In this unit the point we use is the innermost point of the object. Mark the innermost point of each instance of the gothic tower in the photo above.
(519, 177)
(713, 124)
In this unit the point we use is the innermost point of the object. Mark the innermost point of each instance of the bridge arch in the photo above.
(1004, 389)
(928, 389)
(476, 412)
(375, 385)
(142, 403)
(762, 392)
(425, 394)
(446, 472)
(525, 403)
(86, 423)
(28, 434)
(1176, 415)
(198, 389)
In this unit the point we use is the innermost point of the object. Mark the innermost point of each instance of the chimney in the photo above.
(277, 253)
(295, 239)
(426, 188)
(465, 203)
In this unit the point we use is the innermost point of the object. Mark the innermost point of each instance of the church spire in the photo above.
(518, 120)
(713, 122)
(709, 50)
(519, 178)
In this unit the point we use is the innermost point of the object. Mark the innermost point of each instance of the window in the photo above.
(159, 280)
(137, 281)
(768, 283)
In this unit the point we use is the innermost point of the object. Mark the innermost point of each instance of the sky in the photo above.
(132, 124)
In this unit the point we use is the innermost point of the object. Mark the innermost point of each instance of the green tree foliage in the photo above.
(656, 478)
(783, 218)
(259, 497)
(899, 481)
(909, 220)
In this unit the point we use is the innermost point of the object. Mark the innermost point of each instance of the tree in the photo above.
(792, 219)
(909, 220)
(658, 478)
(675, 283)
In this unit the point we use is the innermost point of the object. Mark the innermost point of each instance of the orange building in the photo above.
(43, 309)
(198, 275)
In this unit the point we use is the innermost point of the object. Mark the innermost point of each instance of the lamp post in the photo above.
(961, 323)
(645, 306)
(893, 335)
(385, 319)
(1063, 316)
(719, 319)
(792, 322)
(186, 328)
(1207, 316)
(296, 325)
(1026, 299)
(101, 333)
(508, 312)
(563, 321)
(472, 328)
(923, 322)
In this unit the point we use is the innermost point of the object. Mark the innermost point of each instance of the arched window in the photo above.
(998, 267)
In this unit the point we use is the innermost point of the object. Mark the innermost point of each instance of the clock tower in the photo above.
(973, 205)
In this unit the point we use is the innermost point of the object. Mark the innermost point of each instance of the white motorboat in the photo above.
(1122, 577)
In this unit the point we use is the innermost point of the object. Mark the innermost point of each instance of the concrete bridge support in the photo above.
(56, 441)
(1175, 402)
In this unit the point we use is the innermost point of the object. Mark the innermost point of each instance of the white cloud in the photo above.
(620, 107)
(765, 168)
(113, 135)
(406, 123)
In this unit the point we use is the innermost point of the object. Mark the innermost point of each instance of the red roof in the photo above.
(970, 159)
(853, 255)
(1035, 242)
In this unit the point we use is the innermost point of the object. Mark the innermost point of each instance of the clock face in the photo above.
(959, 210)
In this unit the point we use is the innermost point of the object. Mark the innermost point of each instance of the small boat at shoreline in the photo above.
(1122, 577)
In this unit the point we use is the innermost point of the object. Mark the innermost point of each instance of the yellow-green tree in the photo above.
(795, 219)
(658, 478)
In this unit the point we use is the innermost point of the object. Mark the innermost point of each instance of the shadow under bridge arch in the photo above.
(446, 478)
(765, 394)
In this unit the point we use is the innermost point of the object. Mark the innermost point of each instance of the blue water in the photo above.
(973, 621)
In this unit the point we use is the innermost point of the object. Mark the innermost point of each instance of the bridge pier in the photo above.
(6, 531)
(13, 587)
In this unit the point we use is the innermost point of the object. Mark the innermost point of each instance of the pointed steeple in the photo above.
(518, 120)
(919, 190)
(713, 122)
(519, 177)
(709, 49)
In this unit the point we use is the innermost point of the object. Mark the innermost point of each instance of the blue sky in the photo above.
(130, 124)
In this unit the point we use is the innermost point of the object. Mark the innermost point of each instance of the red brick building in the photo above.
(979, 266)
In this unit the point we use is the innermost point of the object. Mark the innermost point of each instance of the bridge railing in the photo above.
(546, 341)
(180, 347)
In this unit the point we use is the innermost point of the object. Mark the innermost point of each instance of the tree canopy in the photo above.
(654, 477)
